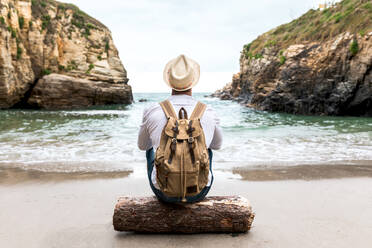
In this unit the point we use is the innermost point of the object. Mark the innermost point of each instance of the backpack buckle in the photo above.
(190, 139)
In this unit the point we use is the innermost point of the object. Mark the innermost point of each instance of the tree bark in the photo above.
(214, 214)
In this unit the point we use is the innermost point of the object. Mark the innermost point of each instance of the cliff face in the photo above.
(321, 71)
(40, 37)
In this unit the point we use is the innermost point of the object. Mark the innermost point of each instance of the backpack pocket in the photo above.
(161, 178)
(175, 187)
(192, 184)
(159, 166)
(159, 157)
(204, 170)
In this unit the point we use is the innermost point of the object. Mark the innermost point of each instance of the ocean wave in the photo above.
(105, 138)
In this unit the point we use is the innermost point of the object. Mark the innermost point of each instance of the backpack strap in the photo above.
(168, 109)
(169, 112)
(198, 111)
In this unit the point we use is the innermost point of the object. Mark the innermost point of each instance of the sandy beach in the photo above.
(75, 210)
(286, 88)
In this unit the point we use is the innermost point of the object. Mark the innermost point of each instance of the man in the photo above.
(181, 74)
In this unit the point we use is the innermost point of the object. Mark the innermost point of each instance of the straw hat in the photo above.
(181, 73)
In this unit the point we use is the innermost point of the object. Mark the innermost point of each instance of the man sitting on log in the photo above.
(183, 143)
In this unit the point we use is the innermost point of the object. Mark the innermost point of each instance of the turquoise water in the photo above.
(105, 138)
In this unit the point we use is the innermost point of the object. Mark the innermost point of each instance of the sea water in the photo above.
(105, 138)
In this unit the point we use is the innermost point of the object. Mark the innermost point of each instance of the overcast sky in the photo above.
(148, 33)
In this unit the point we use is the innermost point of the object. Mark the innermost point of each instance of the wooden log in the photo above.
(214, 214)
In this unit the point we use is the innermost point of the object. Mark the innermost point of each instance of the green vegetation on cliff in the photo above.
(21, 21)
(354, 47)
(354, 16)
(79, 18)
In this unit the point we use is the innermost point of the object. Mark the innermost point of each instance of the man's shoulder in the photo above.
(209, 109)
(210, 114)
(151, 107)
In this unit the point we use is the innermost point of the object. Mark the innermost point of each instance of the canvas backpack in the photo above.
(181, 160)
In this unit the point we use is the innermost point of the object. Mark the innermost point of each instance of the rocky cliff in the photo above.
(42, 37)
(319, 64)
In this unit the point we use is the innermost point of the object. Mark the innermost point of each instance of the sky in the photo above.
(149, 33)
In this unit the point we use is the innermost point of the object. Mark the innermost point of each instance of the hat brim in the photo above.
(195, 70)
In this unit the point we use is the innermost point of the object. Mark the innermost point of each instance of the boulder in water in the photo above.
(57, 91)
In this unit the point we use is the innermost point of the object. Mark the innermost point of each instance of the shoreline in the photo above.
(307, 172)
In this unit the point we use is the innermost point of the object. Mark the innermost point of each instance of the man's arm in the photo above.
(212, 123)
(144, 141)
(217, 138)
(217, 135)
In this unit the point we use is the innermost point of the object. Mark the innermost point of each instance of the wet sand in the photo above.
(333, 209)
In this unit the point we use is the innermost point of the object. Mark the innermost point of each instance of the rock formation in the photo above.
(319, 64)
(42, 37)
(50, 92)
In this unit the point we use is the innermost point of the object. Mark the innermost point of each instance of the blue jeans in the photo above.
(150, 156)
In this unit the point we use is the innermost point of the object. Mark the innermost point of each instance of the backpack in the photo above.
(181, 160)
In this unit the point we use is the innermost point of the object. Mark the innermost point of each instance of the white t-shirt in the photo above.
(154, 120)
